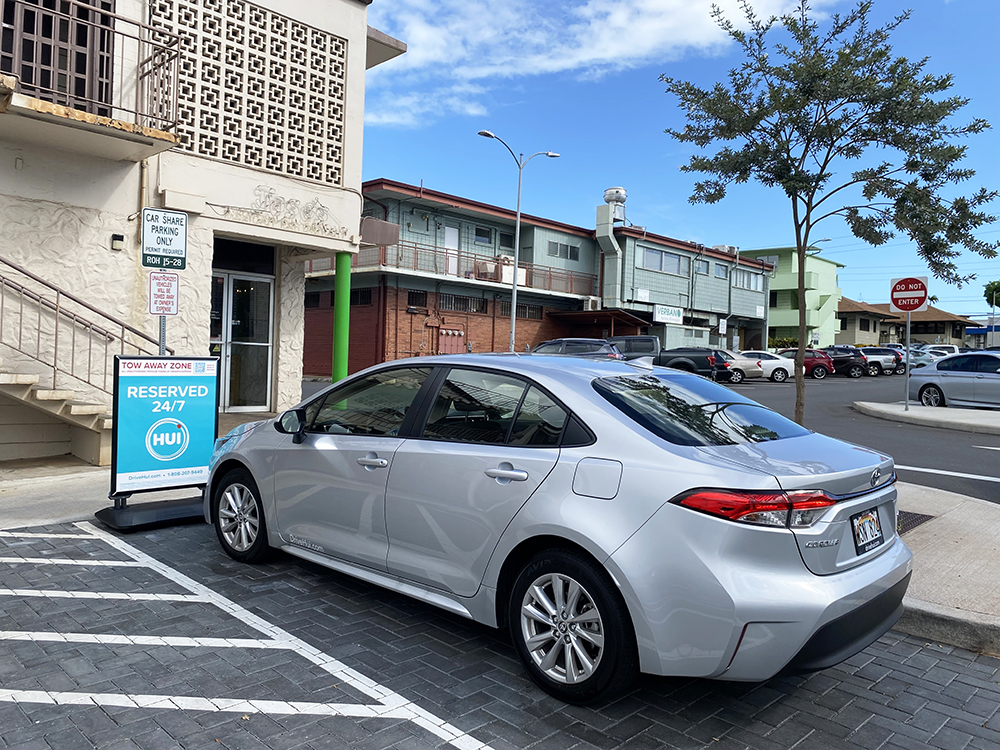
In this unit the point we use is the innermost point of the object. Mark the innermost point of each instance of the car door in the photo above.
(958, 378)
(329, 490)
(987, 388)
(488, 442)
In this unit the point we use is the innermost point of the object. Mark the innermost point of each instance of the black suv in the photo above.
(847, 360)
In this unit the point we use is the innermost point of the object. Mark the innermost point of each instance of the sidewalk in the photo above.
(983, 421)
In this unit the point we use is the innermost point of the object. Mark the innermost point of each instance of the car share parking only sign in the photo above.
(164, 239)
(908, 295)
(165, 422)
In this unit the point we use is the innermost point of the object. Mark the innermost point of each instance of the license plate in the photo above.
(867, 531)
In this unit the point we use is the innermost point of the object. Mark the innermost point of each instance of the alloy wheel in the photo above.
(239, 517)
(562, 628)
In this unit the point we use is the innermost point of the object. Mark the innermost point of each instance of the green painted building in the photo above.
(822, 295)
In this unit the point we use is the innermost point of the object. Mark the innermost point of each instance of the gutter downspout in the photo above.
(612, 261)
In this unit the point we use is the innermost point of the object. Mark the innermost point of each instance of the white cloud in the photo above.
(454, 47)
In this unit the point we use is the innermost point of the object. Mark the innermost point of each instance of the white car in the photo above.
(776, 368)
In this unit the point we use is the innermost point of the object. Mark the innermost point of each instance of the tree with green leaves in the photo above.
(992, 293)
(846, 129)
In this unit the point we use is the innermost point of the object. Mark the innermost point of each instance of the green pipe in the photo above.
(341, 315)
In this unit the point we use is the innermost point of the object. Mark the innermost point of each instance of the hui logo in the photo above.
(167, 439)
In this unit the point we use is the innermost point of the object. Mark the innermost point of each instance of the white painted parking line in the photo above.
(988, 447)
(42, 535)
(68, 561)
(943, 472)
(388, 704)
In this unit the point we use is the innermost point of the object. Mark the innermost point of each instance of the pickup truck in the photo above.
(696, 359)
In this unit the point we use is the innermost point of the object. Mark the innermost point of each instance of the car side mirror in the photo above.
(292, 422)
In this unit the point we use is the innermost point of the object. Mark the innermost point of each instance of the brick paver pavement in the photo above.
(289, 655)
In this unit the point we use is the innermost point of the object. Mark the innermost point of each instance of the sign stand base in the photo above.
(121, 517)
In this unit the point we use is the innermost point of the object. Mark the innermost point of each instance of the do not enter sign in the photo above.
(909, 294)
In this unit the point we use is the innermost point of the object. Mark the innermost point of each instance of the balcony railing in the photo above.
(411, 256)
(78, 54)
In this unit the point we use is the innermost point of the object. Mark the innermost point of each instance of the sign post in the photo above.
(908, 295)
(164, 245)
(165, 424)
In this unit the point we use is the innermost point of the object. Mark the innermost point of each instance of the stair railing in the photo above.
(42, 324)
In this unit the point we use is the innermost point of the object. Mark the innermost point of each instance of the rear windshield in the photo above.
(688, 410)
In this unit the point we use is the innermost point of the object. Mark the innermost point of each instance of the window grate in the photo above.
(459, 303)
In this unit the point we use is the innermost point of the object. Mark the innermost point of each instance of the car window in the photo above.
(539, 421)
(582, 347)
(474, 407)
(375, 405)
(642, 345)
(688, 413)
(724, 356)
(958, 364)
(548, 348)
(986, 363)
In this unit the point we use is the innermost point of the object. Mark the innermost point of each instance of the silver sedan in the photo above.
(958, 380)
(616, 517)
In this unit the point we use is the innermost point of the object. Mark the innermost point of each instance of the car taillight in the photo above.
(797, 509)
(711, 361)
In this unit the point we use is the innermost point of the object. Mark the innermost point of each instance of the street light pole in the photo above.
(521, 162)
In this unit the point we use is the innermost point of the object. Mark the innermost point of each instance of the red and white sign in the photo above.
(164, 289)
(908, 295)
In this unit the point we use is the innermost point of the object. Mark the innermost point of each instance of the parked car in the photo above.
(887, 361)
(610, 514)
(579, 348)
(633, 347)
(817, 363)
(958, 380)
(697, 359)
(735, 368)
(775, 368)
(848, 360)
(945, 349)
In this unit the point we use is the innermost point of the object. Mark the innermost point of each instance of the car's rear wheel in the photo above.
(855, 371)
(885, 371)
(571, 628)
(819, 372)
(239, 517)
(900, 369)
(779, 376)
(736, 376)
(931, 395)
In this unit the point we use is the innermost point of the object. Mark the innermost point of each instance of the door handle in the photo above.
(512, 475)
(374, 463)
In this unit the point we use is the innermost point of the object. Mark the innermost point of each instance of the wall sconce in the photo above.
(118, 242)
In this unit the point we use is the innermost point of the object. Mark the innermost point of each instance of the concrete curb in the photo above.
(974, 631)
(885, 411)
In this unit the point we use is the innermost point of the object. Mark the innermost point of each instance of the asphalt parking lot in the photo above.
(158, 640)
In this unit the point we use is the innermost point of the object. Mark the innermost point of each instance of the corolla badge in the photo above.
(875, 477)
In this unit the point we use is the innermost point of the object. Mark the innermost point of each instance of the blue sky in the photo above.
(581, 78)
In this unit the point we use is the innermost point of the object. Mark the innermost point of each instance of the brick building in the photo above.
(445, 287)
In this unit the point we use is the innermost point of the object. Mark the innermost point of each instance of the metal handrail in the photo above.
(44, 345)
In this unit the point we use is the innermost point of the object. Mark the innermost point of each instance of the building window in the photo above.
(772, 299)
(661, 260)
(843, 324)
(562, 250)
(460, 303)
(701, 266)
(744, 279)
(864, 324)
(312, 299)
(506, 240)
(528, 312)
(721, 271)
(359, 297)
(416, 298)
(260, 89)
(484, 236)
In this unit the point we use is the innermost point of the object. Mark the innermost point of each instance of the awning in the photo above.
(600, 317)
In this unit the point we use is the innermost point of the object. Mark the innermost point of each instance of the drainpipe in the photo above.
(612, 252)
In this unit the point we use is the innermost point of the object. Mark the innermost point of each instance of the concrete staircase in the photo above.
(89, 422)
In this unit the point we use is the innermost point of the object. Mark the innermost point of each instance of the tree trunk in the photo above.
(800, 352)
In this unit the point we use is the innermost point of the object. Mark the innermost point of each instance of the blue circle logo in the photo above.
(167, 439)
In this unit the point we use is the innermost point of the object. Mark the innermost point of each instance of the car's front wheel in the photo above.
(571, 628)
(239, 517)
(779, 376)
(819, 372)
(855, 371)
(874, 370)
(736, 376)
(931, 395)
(900, 369)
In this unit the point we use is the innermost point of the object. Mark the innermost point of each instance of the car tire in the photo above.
(900, 370)
(595, 626)
(931, 395)
(779, 376)
(819, 372)
(855, 371)
(874, 370)
(736, 376)
(884, 371)
(238, 515)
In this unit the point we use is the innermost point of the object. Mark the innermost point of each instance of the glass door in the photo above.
(241, 323)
